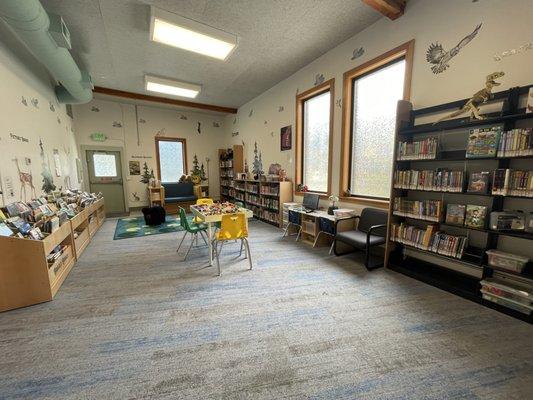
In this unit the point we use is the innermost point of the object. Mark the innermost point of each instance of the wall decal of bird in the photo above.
(441, 58)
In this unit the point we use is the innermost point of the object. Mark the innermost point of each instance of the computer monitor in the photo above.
(311, 201)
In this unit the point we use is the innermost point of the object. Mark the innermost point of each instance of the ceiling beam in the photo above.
(164, 100)
(392, 9)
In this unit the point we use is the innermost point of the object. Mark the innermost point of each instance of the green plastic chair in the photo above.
(193, 229)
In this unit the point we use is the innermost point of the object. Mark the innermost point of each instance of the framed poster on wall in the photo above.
(286, 138)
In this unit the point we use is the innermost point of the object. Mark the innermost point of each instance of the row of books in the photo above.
(471, 216)
(429, 210)
(429, 239)
(419, 150)
(253, 199)
(270, 216)
(508, 182)
(270, 202)
(440, 179)
(270, 189)
(516, 143)
(43, 215)
(492, 142)
(226, 164)
(226, 182)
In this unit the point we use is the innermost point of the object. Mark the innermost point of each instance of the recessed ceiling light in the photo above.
(177, 31)
(174, 88)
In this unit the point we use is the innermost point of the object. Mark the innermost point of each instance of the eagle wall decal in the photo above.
(438, 56)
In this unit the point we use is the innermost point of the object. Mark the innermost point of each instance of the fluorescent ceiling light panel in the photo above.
(177, 31)
(174, 88)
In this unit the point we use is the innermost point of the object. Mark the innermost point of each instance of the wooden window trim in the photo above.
(170, 139)
(405, 51)
(328, 86)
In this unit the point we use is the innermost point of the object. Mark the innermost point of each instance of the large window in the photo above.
(171, 158)
(371, 94)
(313, 138)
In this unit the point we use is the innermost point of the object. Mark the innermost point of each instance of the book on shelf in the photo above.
(508, 182)
(428, 210)
(475, 216)
(483, 142)
(455, 214)
(418, 150)
(516, 143)
(429, 239)
(5, 230)
(478, 182)
(440, 179)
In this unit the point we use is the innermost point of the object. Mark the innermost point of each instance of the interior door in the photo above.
(105, 175)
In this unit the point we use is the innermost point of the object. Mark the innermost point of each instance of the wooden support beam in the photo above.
(164, 100)
(390, 8)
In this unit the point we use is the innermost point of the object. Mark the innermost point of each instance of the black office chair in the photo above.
(370, 232)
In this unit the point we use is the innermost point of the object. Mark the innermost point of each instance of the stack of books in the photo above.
(421, 150)
(507, 182)
(428, 210)
(441, 179)
(516, 143)
(429, 239)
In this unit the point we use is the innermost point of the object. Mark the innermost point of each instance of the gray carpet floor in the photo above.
(133, 321)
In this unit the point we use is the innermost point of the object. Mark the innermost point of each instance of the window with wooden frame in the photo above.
(371, 93)
(314, 131)
(171, 154)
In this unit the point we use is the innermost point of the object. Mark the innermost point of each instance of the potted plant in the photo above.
(334, 200)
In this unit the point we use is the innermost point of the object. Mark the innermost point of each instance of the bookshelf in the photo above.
(228, 169)
(457, 273)
(264, 198)
(26, 278)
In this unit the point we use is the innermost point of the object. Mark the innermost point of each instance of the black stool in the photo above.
(154, 215)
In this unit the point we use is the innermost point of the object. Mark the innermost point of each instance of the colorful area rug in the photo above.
(135, 227)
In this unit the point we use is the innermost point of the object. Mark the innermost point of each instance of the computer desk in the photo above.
(311, 232)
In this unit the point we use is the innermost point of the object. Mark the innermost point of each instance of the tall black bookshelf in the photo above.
(402, 257)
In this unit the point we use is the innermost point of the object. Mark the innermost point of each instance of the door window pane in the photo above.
(105, 165)
(375, 97)
(316, 142)
(170, 160)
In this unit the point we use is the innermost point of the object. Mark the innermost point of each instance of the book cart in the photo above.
(26, 278)
(458, 274)
(265, 198)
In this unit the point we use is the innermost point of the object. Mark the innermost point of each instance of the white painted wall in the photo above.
(21, 77)
(506, 25)
(140, 145)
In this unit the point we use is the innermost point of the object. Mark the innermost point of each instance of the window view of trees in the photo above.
(171, 160)
(375, 97)
(316, 142)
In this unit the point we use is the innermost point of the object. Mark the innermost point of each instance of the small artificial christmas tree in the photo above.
(195, 167)
(147, 174)
(257, 166)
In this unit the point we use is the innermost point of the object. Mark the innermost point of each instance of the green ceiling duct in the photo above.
(48, 39)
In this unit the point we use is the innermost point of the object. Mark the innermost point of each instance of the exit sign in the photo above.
(98, 137)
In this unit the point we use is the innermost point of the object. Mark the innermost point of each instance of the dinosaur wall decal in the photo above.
(477, 99)
(440, 58)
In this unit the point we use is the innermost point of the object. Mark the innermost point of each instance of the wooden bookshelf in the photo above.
(26, 278)
(228, 170)
(402, 257)
(264, 198)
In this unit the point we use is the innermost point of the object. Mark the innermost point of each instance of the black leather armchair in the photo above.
(370, 232)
